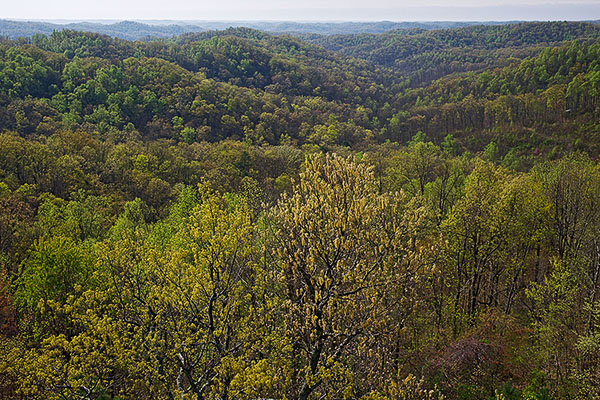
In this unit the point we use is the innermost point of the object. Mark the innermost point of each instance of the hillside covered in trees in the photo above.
(235, 214)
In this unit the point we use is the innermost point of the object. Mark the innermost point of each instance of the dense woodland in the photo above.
(240, 215)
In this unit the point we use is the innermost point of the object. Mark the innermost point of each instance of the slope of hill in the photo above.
(427, 55)
(375, 100)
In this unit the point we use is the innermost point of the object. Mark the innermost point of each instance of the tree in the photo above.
(414, 169)
(572, 185)
(186, 320)
(450, 145)
(346, 257)
(475, 231)
(52, 270)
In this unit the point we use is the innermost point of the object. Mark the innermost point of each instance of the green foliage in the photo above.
(450, 145)
(234, 214)
(54, 268)
(341, 244)
(84, 217)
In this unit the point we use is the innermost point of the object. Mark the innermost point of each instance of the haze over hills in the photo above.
(143, 30)
(134, 30)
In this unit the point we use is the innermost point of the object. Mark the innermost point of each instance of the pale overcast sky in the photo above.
(357, 10)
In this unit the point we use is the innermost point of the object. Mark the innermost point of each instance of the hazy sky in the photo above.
(397, 10)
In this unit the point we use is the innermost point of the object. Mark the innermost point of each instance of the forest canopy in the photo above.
(236, 214)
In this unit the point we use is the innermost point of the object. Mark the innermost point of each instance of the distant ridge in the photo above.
(129, 30)
(136, 30)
